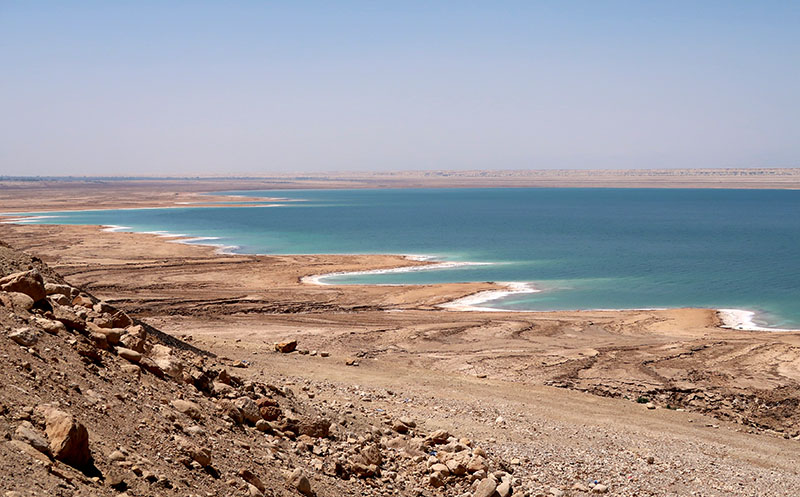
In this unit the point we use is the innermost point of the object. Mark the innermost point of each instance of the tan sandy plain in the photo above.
(564, 383)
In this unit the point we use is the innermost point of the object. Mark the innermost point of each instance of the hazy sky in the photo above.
(204, 87)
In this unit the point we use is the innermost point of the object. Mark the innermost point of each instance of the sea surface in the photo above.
(567, 248)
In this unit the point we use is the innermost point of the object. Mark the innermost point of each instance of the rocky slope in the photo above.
(96, 403)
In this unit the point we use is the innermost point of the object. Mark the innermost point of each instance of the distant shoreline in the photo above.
(733, 178)
(735, 319)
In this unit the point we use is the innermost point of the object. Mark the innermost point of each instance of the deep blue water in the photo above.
(585, 248)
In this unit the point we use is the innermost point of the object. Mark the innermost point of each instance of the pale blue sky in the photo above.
(181, 87)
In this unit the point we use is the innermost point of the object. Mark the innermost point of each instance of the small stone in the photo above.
(116, 456)
(248, 408)
(128, 354)
(436, 480)
(253, 491)
(299, 481)
(252, 479)
(28, 434)
(188, 408)
(650, 459)
(439, 436)
(486, 488)
(555, 492)
(26, 337)
(50, 326)
(285, 347)
(504, 489)
(600, 489)
(400, 427)
(408, 422)
(457, 466)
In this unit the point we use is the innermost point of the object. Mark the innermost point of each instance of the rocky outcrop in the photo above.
(29, 283)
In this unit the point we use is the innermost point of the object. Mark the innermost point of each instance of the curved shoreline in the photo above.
(733, 319)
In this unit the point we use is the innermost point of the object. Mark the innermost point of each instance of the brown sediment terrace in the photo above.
(234, 305)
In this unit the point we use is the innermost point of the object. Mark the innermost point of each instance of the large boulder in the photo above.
(69, 439)
(316, 428)
(30, 283)
(162, 356)
(69, 318)
(57, 289)
(17, 301)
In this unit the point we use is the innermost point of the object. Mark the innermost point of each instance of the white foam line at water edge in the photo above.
(470, 302)
(26, 219)
(741, 319)
(222, 249)
(112, 228)
(318, 279)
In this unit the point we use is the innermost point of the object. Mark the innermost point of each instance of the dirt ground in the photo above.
(562, 391)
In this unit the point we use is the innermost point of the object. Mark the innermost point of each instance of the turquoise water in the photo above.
(583, 248)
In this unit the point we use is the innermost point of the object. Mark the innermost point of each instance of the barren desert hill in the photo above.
(96, 403)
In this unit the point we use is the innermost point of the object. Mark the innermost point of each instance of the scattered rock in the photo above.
(17, 301)
(299, 482)
(252, 479)
(69, 439)
(248, 408)
(25, 432)
(57, 289)
(438, 437)
(129, 354)
(50, 326)
(316, 428)
(27, 337)
(163, 358)
(30, 283)
(83, 301)
(486, 488)
(285, 347)
(227, 408)
(503, 489)
(186, 407)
